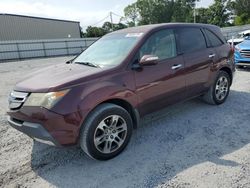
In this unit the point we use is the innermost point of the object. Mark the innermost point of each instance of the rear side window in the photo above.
(213, 39)
(191, 40)
(161, 44)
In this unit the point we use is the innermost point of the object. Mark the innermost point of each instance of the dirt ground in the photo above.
(191, 144)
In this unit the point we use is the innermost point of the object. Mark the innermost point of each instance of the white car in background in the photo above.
(239, 38)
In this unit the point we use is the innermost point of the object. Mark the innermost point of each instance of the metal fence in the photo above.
(229, 32)
(17, 50)
(24, 49)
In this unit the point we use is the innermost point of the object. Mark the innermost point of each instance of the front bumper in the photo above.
(46, 126)
(33, 130)
(242, 61)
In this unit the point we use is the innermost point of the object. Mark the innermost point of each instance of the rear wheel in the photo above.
(106, 132)
(219, 91)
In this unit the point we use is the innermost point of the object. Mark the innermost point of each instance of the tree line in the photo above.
(221, 13)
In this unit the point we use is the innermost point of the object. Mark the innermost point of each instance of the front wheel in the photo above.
(219, 91)
(106, 132)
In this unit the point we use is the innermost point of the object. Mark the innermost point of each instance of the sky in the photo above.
(88, 12)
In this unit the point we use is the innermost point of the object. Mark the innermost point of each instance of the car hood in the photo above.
(245, 45)
(237, 40)
(57, 77)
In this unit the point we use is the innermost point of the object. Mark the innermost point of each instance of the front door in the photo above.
(164, 83)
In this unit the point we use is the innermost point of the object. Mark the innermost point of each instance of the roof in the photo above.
(147, 28)
(16, 15)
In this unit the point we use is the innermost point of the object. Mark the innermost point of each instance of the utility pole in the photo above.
(194, 15)
(195, 11)
(111, 20)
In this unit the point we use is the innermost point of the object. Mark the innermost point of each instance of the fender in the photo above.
(87, 96)
(109, 91)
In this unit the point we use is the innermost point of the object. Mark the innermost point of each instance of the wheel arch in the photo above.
(229, 71)
(127, 106)
(134, 113)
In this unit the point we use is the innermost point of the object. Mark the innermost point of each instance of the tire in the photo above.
(212, 96)
(239, 66)
(106, 132)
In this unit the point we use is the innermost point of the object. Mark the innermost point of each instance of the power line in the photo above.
(109, 16)
(98, 21)
(117, 15)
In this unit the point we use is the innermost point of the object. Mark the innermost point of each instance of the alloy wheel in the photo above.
(221, 88)
(110, 134)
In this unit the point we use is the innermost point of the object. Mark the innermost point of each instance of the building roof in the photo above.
(16, 15)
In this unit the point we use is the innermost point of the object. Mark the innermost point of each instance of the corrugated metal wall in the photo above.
(14, 50)
(14, 27)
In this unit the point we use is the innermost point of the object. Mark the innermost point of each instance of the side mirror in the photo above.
(148, 60)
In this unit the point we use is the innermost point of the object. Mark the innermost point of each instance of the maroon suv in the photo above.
(97, 99)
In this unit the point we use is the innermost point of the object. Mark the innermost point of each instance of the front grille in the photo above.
(16, 99)
(245, 53)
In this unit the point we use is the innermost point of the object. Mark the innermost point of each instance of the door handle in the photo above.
(211, 55)
(174, 67)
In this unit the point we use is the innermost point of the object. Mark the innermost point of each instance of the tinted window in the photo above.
(191, 39)
(161, 44)
(213, 39)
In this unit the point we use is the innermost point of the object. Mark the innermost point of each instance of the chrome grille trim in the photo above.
(245, 53)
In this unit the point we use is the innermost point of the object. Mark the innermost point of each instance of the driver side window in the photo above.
(161, 44)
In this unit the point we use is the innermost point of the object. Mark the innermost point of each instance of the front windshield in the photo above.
(239, 36)
(110, 50)
(247, 36)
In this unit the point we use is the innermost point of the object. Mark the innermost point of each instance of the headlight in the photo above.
(237, 48)
(46, 100)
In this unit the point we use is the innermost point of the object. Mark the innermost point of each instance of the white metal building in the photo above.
(19, 27)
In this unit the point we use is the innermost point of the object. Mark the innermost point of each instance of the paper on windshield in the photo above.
(134, 35)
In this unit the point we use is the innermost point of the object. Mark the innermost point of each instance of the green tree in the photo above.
(155, 11)
(82, 34)
(183, 11)
(131, 14)
(95, 32)
(202, 15)
(218, 13)
(109, 27)
(241, 8)
(160, 11)
(242, 20)
(100, 31)
(119, 26)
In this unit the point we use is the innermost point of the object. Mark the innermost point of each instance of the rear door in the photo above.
(164, 83)
(198, 59)
(221, 47)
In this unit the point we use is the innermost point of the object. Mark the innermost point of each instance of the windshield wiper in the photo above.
(88, 64)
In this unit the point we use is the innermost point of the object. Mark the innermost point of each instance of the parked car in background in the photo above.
(239, 38)
(97, 99)
(242, 53)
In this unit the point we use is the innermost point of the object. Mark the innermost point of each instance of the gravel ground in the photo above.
(191, 144)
